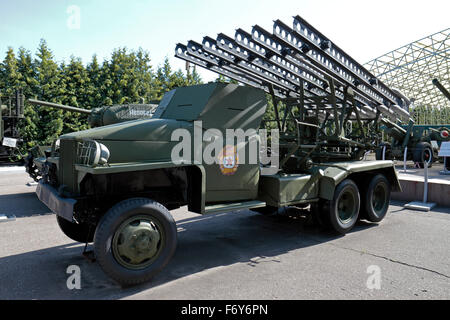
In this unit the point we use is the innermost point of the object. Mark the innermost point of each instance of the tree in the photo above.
(145, 76)
(126, 77)
(50, 88)
(94, 72)
(78, 92)
(28, 127)
(166, 79)
(9, 75)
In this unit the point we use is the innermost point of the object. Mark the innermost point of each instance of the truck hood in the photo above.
(139, 130)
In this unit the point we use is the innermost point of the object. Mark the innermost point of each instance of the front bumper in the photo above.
(62, 207)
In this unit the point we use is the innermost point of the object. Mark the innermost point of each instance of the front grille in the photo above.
(66, 167)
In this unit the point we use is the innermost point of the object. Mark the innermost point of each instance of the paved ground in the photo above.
(415, 174)
(238, 255)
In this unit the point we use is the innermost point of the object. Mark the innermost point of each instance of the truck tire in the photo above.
(423, 153)
(135, 240)
(341, 213)
(83, 233)
(376, 198)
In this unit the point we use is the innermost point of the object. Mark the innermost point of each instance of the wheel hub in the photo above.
(427, 156)
(346, 207)
(136, 242)
(379, 198)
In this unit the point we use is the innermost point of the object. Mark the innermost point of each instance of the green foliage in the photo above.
(9, 75)
(223, 79)
(50, 88)
(167, 80)
(126, 77)
(77, 93)
(426, 115)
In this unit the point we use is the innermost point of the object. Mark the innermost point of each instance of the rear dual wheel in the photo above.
(342, 213)
(376, 199)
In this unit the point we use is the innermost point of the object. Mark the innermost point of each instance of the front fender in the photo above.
(200, 176)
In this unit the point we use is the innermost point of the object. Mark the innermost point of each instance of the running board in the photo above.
(225, 207)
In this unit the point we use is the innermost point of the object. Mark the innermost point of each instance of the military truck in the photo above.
(10, 114)
(116, 185)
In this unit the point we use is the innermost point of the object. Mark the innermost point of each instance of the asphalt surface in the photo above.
(237, 255)
(413, 173)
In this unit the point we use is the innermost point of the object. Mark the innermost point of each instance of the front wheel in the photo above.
(135, 240)
(341, 213)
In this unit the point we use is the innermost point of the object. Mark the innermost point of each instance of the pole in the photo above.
(404, 159)
(366, 154)
(425, 185)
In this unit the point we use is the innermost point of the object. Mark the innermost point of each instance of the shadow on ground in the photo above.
(22, 205)
(204, 242)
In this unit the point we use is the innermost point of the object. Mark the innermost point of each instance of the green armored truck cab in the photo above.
(115, 185)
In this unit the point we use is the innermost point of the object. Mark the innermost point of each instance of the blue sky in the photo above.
(364, 29)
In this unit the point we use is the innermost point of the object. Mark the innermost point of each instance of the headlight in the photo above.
(91, 153)
(53, 151)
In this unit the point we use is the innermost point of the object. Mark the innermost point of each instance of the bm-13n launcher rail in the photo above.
(323, 89)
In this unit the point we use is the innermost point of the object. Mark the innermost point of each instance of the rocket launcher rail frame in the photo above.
(302, 68)
(286, 61)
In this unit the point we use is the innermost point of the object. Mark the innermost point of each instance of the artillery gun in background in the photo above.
(441, 88)
(97, 117)
(422, 141)
(10, 115)
(106, 115)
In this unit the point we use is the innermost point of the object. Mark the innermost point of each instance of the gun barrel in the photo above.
(394, 130)
(441, 88)
(59, 106)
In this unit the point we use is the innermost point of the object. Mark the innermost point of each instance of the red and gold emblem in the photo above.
(228, 160)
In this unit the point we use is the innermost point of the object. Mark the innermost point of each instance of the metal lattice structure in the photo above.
(412, 68)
